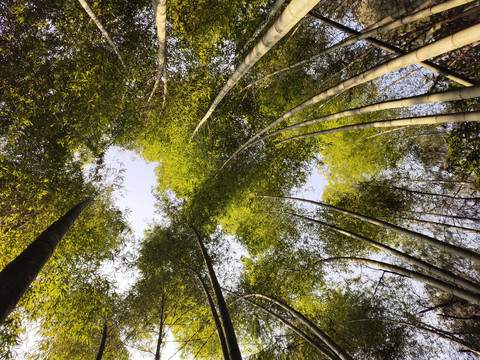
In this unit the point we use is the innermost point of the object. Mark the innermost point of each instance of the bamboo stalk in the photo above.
(160, 13)
(451, 95)
(421, 120)
(449, 74)
(294, 12)
(444, 274)
(340, 352)
(100, 27)
(17, 276)
(296, 330)
(452, 42)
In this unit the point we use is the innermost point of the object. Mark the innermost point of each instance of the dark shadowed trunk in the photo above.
(23, 270)
(216, 319)
(160, 331)
(101, 349)
(232, 344)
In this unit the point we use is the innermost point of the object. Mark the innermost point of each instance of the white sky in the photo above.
(136, 197)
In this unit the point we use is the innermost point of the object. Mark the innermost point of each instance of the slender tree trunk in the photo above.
(17, 276)
(455, 227)
(100, 27)
(424, 193)
(455, 217)
(160, 13)
(423, 327)
(415, 7)
(447, 5)
(229, 331)
(449, 43)
(216, 319)
(275, 7)
(101, 349)
(340, 352)
(294, 12)
(430, 181)
(297, 331)
(441, 273)
(428, 280)
(455, 250)
(472, 116)
(160, 331)
(451, 95)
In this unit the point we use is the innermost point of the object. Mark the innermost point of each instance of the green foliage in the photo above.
(66, 99)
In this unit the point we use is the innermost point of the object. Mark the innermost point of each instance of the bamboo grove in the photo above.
(317, 167)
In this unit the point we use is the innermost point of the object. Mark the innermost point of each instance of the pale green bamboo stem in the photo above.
(449, 74)
(276, 6)
(100, 27)
(421, 120)
(294, 12)
(428, 329)
(374, 31)
(435, 223)
(296, 330)
(160, 13)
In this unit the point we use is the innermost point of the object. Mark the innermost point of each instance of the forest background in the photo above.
(239, 103)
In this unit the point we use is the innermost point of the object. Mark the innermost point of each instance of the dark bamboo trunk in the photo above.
(216, 319)
(23, 270)
(299, 332)
(160, 331)
(101, 349)
(229, 331)
(334, 347)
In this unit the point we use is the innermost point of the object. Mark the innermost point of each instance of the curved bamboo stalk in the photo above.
(451, 95)
(455, 227)
(452, 249)
(416, 6)
(340, 352)
(294, 12)
(17, 276)
(449, 74)
(296, 330)
(276, 6)
(452, 42)
(436, 214)
(428, 280)
(100, 27)
(375, 30)
(421, 120)
(229, 331)
(160, 13)
(429, 194)
(428, 329)
(101, 349)
(160, 330)
(432, 269)
(216, 320)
